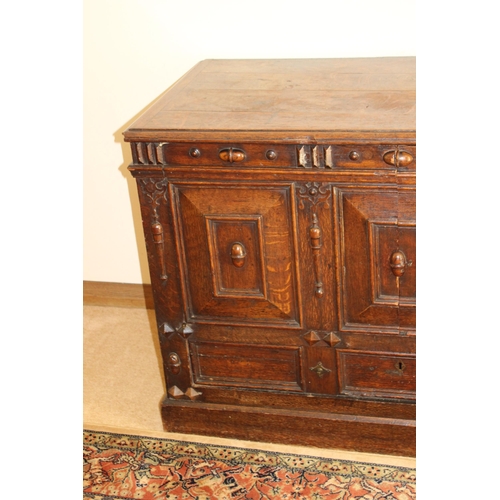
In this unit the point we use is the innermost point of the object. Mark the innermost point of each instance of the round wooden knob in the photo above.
(271, 154)
(194, 152)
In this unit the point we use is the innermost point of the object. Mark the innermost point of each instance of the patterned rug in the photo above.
(119, 466)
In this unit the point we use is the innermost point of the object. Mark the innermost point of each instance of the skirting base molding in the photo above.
(103, 293)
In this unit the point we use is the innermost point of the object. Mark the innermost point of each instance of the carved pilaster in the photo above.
(154, 191)
(315, 194)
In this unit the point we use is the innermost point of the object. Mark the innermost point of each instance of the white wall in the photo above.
(135, 49)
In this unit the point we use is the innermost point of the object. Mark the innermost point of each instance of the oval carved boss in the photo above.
(398, 158)
(232, 155)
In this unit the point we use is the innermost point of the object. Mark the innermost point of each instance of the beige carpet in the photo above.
(123, 383)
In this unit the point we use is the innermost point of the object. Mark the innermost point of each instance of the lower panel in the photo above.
(355, 433)
(377, 374)
(244, 365)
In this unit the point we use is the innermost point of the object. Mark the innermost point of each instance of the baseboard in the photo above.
(103, 293)
(355, 433)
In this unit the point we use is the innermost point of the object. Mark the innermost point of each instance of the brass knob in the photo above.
(232, 155)
(398, 158)
(238, 254)
(354, 155)
(194, 153)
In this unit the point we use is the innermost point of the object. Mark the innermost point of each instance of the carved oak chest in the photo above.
(278, 206)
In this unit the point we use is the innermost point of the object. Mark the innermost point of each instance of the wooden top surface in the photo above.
(285, 100)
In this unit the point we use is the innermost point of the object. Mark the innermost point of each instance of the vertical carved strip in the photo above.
(305, 156)
(151, 153)
(316, 244)
(141, 154)
(329, 157)
(133, 147)
(317, 156)
(160, 153)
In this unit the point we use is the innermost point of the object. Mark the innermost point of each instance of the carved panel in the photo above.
(377, 238)
(245, 365)
(369, 299)
(229, 238)
(210, 219)
(314, 194)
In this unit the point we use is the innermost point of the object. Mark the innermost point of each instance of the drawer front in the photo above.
(247, 366)
(214, 155)
(374, 157)
(378, 375)
(319, 156)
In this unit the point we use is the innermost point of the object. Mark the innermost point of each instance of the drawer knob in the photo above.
(232, 155)
(398, 158)
(271, 154)
(399, 263)
(238, 254)
(354, 155)
(194, 153)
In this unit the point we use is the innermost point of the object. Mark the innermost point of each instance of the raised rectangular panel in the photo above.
(210, 220)
(367, 221)
(244, 365)
(233, 278)
(375, 374)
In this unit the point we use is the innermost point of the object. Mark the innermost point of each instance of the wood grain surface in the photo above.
(286, 99)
